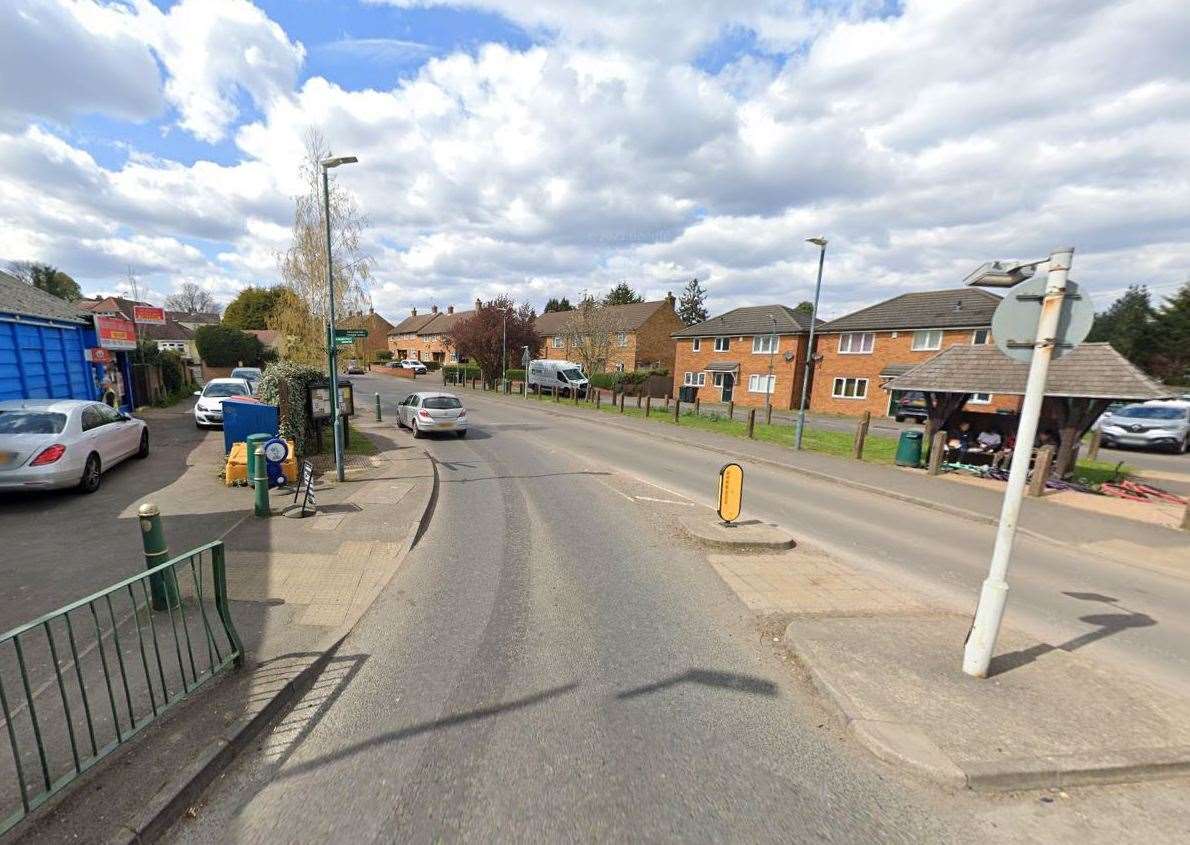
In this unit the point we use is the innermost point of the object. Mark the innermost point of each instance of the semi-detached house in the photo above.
(640, 337)
(744, 355)
(423, 337)
(858, 353)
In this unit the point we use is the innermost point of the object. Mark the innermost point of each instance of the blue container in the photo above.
(242, 417)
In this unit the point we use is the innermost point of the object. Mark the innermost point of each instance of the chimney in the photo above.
(477, 303)
(433, 309)
(371, 310)
(413, 311)
(450, 309)
(669, 297)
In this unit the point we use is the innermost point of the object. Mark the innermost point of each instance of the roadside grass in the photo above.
(359, 443)
(1097, 472)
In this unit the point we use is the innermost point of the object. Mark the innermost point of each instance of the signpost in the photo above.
(148, 314)
(731, 492)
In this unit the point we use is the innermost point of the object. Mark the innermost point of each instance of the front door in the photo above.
(728, 384)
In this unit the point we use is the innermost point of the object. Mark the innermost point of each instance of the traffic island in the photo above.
(1046, 717)
(749, 535)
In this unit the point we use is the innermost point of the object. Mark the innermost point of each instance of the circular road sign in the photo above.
(1014, 325)
(276, 451)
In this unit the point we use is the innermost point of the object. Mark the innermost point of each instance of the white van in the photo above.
(566, 377)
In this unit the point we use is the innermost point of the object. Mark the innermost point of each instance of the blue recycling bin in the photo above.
(243, 416)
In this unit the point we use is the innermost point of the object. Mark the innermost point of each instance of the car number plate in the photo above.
(445, 424)
(7, 458)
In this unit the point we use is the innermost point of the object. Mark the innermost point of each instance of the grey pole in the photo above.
(504, 354)
(768, 392)
(801, 412)
(332, 352)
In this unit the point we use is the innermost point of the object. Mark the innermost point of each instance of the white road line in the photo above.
(664, 501)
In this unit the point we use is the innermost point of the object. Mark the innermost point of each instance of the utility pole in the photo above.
(820, 242)
(332, 349)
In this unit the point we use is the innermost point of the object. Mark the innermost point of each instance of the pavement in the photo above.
(297, 587)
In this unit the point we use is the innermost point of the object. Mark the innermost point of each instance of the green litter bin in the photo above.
(909, 449)
(255, 441)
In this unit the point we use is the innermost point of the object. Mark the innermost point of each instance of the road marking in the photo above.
(664, 501)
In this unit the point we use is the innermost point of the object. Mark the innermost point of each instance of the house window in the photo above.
(623, 339)
(980, 399)
(980, 337)
(718, 380)
(557, 341)
(927, 340)
(850, 388)
(696, 344)
(722, 344)
(856, 343)
(694, 379)
(758, 383)
(764, 344)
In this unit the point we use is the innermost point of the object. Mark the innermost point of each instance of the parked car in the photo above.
(423, 413)
(910, 406)
(566, 377)
(355, 368)
(208, 410)
(252, 375)
(1159, 424)
(417, 366)
(54, 443)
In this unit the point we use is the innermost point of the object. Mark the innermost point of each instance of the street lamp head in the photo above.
(818, 240)
(337, 160)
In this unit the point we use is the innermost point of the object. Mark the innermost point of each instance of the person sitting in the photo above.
(960, 443)
(989, 441)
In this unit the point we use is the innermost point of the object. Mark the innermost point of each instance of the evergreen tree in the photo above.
(692, 304)
(252, 307)
(556, 304)
(805, 307)
(47, 278)
(1170, 357)
(1128, 326)
(622, 294)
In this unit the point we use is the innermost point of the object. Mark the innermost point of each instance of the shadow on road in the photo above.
(710, 678)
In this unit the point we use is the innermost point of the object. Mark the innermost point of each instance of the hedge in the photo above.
(223, 346)
(469, 371)
(514, 375)
(298, 378)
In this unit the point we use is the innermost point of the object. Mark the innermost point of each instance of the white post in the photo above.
(994, 595)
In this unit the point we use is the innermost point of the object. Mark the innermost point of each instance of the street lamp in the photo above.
(819, 242)
(768, 387)
(332, 349)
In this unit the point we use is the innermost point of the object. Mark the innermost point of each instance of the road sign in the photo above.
(344, 340)
(350, 334)
(115, 332)
(731, 492)
(1014, 325)
(148, 314)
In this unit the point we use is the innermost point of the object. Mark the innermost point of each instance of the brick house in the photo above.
(377, 328)
(642, 342)
(422, 337)
(727, 358)
(858, 353)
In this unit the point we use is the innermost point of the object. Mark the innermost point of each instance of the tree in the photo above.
(1127, 326)
(301, 317)
(692, 304)
(192, 298)
(47, 278)
(555, 304)
(494, 327)
(223, 346)
(1170, 358)
(622, 294)
(252, 307)
(805, 307)
(590, 333)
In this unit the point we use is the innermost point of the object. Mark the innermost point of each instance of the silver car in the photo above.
(423, 413)
(53, 443)
(1153, 425)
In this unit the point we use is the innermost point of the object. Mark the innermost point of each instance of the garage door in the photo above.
(42, 362)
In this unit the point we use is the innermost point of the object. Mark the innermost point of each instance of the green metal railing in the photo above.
(132, 651)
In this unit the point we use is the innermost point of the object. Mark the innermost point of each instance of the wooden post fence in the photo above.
(677, 409)
(621, 403)
(731, 409)
(861, 434)
(937, 452)
(1041, 470)
(648, 405)
(598, 399)
(751, 421)
(768, 414)
(1093, 446)
(697, 406)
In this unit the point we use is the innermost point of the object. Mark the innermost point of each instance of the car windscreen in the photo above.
(573, 375)
(220, 390)
(1151, 412)
(245, 373)
(31, 422)
(441, 403)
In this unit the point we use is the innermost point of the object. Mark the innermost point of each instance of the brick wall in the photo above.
(653, 341)
(887, 348)
(626, 355)
(786, 391)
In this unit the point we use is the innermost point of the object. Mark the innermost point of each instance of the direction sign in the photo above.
(351, 334)
(1014, 325)
(344, 340)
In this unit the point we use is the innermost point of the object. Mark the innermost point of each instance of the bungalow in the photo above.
(641, 336)
(744, 355)
(858, 353)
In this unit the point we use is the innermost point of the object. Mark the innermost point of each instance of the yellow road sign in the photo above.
(731, 492)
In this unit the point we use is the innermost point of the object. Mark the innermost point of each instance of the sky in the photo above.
(544, 149)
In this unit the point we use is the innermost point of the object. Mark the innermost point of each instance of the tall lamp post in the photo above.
(819, 242)
(768, 387)
(332, 352)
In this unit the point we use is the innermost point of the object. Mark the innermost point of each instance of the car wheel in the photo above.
(461, 434)
(143, 451)
(1186, 444)
(416, 431)
(92, 473)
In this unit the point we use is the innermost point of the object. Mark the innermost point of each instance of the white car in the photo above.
(208, 410)
(53, 443)
(417, 366)
(423, 413)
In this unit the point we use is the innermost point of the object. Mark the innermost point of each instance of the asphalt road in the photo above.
(550, 664)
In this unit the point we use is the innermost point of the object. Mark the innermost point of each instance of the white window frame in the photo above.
(987, 337)
(622, 339)
(754, 382)
(913, 344)
(849, 348)
(556, 341)
(694, 380)
(717, 380)
(762, 342)
(696, 344)
(839, 388)
(722, 344)
(980, 399)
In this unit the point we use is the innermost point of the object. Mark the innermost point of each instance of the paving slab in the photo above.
(750, 535)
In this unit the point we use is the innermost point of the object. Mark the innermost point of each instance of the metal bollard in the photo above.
(162, 587)
(261, 483)
(378, 407)
(648, 405)
(751, 422)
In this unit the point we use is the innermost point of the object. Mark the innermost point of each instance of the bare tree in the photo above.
(192, 298)
(302, 316)
(591, 332)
